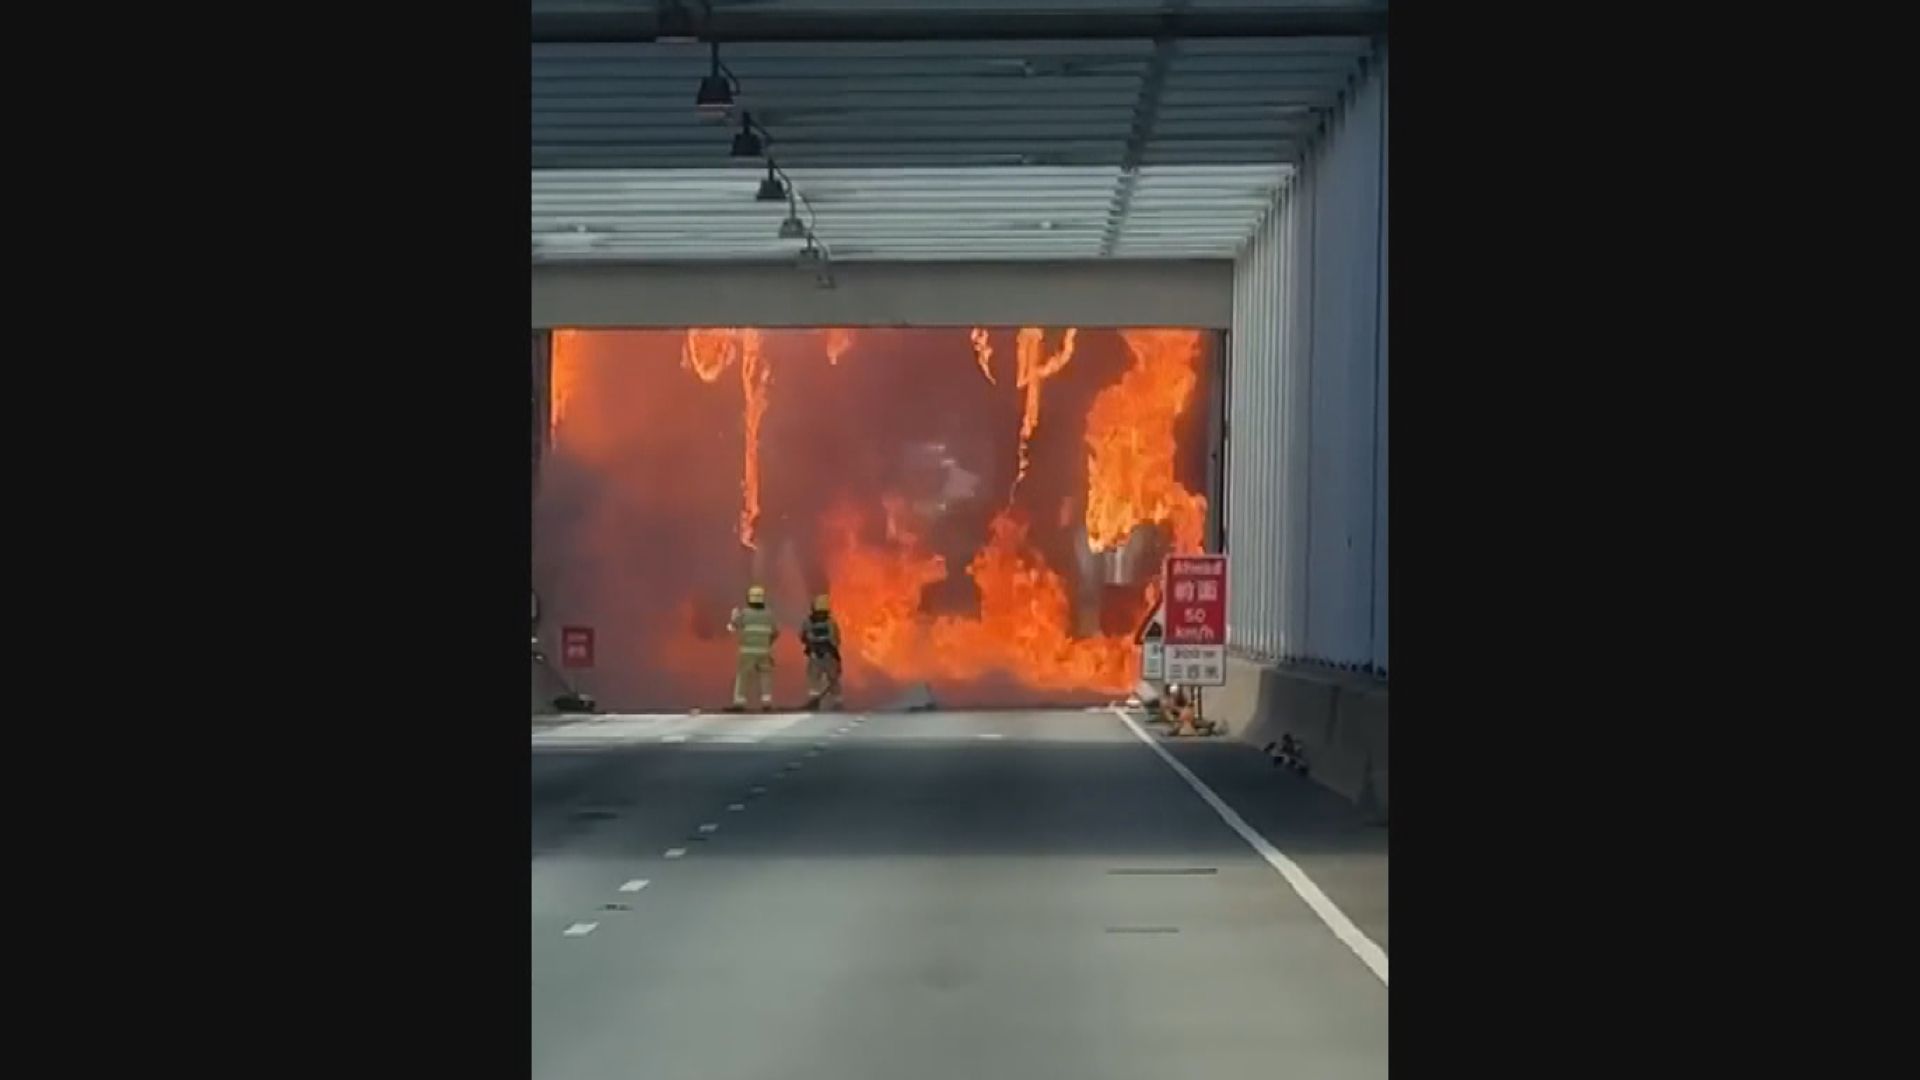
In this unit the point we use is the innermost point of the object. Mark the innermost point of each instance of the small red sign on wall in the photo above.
(576, 646)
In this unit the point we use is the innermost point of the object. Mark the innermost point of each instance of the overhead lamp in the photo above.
(793, 228)
(746, 144)
(674, 24)
(714, 102)
(715, 99)
(771, 189)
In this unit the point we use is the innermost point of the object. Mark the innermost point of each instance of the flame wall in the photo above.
(887, 472)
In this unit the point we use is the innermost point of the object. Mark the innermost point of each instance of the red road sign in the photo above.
(576, 646)
(1196, 620)
(1197, 600)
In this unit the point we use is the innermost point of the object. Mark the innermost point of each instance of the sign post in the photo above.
(576, 646)
(1196, 616)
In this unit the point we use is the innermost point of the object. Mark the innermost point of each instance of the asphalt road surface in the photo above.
(944, 895)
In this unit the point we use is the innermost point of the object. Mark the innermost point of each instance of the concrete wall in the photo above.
(1339, 717)
(1116, 293)
(1306, 498)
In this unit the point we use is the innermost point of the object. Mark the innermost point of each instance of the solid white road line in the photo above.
(634, 886)
(1343, 928)
(673, 738)
(675, 852)
(580, 929)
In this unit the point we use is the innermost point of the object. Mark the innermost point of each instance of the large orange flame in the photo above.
(1022, 630)
(708, 351)
(1131, 447)
(565, 358)
(983, 352)
(755, 375)
(839, 340)
(879, 570)
(1031, 373)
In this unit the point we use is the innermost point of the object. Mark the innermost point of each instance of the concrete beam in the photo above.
(1111, 293)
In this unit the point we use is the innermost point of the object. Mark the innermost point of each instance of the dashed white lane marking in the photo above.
(757, 789)
(991, 735)
(1343, 928)
(634, 886)
(711, 826)
(580, 929)
(736, 807)
(619, 729)
(675, 852)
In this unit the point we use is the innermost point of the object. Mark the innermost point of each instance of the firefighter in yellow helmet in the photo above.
(821, 639)
(753, 626)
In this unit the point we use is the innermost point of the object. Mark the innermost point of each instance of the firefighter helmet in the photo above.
(756, 595)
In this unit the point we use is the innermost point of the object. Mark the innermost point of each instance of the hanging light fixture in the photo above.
(746, 143)
(714, 102)
(674, 24)
(793, 228)
(771, 189)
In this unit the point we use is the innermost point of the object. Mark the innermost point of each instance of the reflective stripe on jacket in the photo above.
(755, 628)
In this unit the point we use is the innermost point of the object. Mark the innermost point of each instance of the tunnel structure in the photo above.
(1221, 167)
(986, 507)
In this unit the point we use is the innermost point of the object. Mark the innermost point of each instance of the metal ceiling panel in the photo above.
(995, 144)
(1030, 213)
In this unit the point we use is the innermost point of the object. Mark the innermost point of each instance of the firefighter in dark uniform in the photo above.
(821, 639)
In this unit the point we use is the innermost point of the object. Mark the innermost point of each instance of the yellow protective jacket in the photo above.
(754, 627)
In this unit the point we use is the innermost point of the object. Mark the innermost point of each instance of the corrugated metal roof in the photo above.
(899, 213)
(1051, 148)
